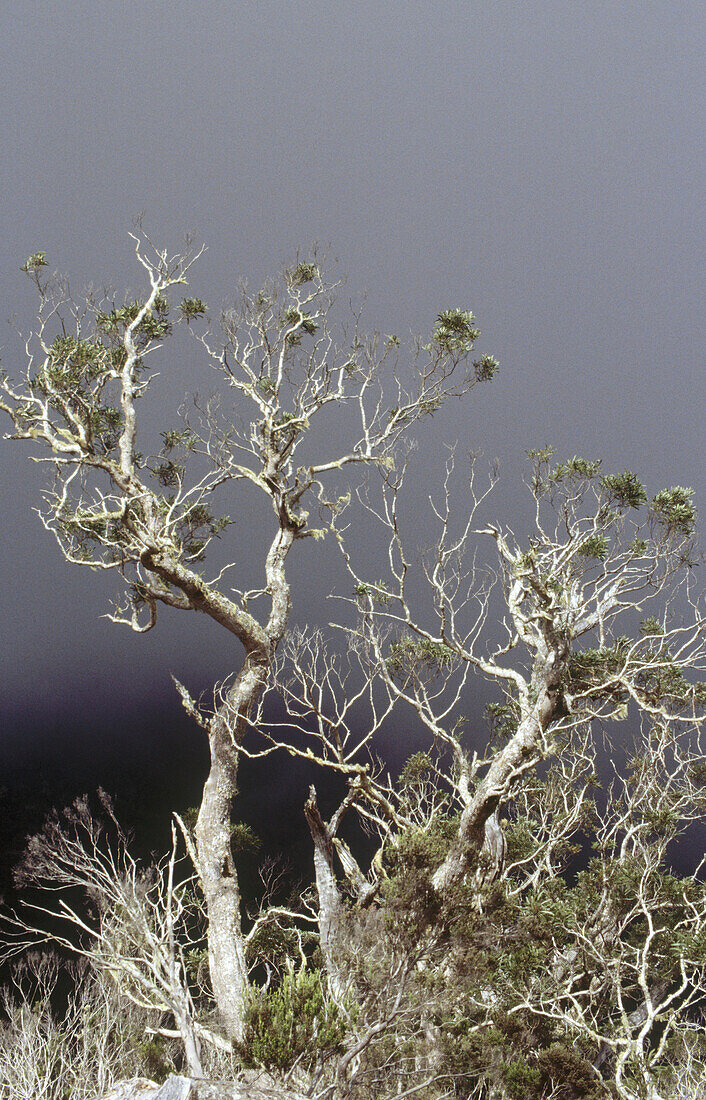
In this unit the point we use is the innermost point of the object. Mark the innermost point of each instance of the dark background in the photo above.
(538, 162)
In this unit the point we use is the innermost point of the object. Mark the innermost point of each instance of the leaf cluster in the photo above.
(302, 324)
(588, 669)
(302, 273)
(73, 377)
(191, 308)
(153, 326)
(418, 657)
(455, 331)
(296, 1022)
(377, 592)
(674, 510)
(196, 527)
(36, 260)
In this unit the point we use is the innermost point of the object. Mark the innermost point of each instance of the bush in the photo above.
(295, 1023)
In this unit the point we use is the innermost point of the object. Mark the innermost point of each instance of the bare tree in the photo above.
(150, 522)
(134, 925)
(80, 1050)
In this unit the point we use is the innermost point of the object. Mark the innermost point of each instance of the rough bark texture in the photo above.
(330, 904)
(226, 951)
(192, 1046)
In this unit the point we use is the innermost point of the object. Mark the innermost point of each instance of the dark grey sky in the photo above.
(540, 162)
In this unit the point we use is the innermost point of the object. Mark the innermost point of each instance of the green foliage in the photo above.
(429, 405)
(541, 454)
(455, 331)
(506, 948)
(591, 668)
(73, 361)
(285, 429)
(92, 526)
(502, 719)
(184, 438)
(243, 838)
(192, 307)
(155, 1059)
(169, 473)
(486, 368)
(153, 326)
(521, 1079)
(284, 420)
(568, 1073)
(196, 527)
(276, 945)
(576, 469)
(412, 904)
(35, 261)
(625, 490)
(377, 592)
(637, 548)
(417, 768)
(674, 510)
(301, 274)
(73, 377)
(301, 322)
(661, 680)
(295, 1022)
(420, 657)
(595, 546)
(190, 816)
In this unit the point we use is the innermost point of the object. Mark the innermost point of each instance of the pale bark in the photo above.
(187, 1031)
(330, 902)
(226, 952)
(226, 946)
(147, 536)
(521, 753)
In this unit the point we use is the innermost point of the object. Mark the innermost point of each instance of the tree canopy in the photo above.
(502, 919)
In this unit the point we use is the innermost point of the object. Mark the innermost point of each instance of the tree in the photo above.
(141, 924)
(151, 521)
(545, 985)
(508, 921)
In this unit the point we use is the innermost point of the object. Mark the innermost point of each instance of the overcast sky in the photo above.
(540, 163)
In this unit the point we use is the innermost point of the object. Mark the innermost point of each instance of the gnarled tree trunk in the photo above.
(219, 878)
(479, 827)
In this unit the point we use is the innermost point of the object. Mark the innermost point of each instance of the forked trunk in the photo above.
(479, 828)
(226, 946)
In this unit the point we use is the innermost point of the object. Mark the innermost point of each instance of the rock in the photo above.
(183, 1088)
(176, 1088)
(137, 1088)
